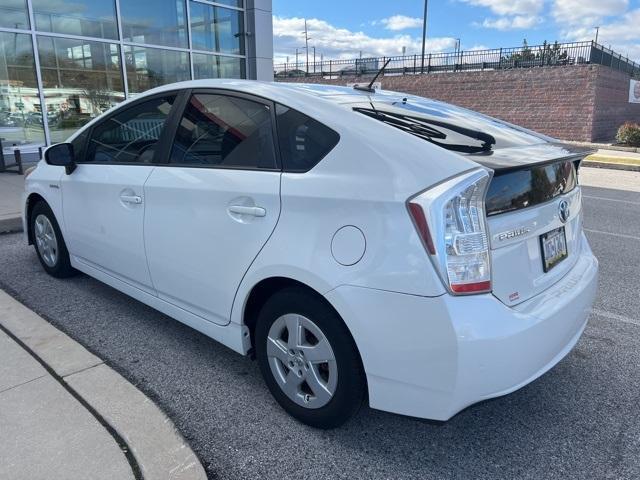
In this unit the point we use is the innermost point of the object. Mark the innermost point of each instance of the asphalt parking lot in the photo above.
(581, 420)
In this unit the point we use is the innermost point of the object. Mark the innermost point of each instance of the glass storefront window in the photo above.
(87, 18)
(81, 79)
(217, 66)
(216, 28)
(154, 22)
(13, 14)
(150, 67)
(232, 3)
(20, 109)
(85, 59)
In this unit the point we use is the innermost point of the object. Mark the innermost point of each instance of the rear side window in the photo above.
(130, 136)
(225, 132)
(303, 141)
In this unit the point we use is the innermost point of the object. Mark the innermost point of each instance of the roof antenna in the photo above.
(369, 88)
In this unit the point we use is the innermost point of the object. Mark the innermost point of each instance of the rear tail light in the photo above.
(451, 222)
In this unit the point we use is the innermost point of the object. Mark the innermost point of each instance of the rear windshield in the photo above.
(448, 126)
(518, 189)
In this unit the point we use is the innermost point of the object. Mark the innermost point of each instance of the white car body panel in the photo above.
(425, 352)
(188, 205)
(446, 353)
(517, 264)
(101, 229)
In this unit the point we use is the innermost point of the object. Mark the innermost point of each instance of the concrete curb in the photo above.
(159, 449)
(11, 225)
(612, 166)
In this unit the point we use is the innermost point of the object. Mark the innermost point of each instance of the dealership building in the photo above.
(63, 62)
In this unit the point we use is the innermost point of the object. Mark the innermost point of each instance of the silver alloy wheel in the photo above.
(302, 361)
(46, 240)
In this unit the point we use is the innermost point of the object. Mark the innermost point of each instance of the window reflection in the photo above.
(151, 67)
(81, 79)
(88, 18)
(216, 66)
(154, 22)
(20, 109)
(216, 28)
(233, 3)
(13, 14)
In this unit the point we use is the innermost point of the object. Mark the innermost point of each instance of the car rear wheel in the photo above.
(49, 244)
(308, 359)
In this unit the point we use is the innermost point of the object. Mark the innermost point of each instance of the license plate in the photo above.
(554, 248)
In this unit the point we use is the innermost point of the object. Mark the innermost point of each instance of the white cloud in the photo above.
(512, 23)
(510, 7)
(623, 33)
(400, 22)
(335, 42)
(586, 12)
(477, 48)
(512, 14)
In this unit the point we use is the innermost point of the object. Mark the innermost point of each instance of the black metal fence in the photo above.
(544, 55)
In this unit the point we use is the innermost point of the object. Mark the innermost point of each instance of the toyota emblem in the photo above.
(563, 211)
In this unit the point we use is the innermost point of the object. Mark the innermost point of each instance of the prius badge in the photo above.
(509, 234)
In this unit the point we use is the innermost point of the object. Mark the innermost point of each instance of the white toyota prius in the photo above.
(364, 246)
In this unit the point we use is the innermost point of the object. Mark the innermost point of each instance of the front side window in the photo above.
(130, 136)
(226, 132)
(303, 141)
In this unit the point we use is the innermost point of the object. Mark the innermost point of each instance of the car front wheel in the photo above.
(50, 247)
(308, 359)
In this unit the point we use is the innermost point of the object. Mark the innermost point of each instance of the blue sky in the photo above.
(340, 29)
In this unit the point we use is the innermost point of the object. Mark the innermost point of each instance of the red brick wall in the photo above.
(582, 102)
(612, 104)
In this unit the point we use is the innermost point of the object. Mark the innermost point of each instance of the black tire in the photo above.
(350, 391)
(62, 267)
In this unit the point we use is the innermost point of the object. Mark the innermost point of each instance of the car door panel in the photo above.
(103, 198)
(203, 230)
(103, 227)
(213, 207)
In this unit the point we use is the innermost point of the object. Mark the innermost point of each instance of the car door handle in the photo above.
(242, 210)
(136, 199)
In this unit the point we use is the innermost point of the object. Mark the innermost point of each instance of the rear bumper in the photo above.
(432, 357)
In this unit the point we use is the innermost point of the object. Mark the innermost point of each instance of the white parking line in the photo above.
(615, 316)
(611, 199)
(621, 235)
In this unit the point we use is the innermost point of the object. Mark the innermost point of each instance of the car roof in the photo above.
(278, 91)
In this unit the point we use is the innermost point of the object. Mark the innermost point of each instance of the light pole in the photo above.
(597, 31)
(314, 59)
(306, 42)
(424, 34)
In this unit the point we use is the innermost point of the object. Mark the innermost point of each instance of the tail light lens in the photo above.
(450, 219)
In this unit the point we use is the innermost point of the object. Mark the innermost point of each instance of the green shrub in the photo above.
(629, 134)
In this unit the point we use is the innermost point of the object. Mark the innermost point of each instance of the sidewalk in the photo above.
(66, 415)
(11, 188)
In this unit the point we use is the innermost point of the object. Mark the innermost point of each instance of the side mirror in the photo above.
(61, 155)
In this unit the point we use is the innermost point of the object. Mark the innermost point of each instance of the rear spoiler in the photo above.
(507, 160)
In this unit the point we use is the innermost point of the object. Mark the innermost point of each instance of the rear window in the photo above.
(518, 189)
(448, 126)
(303, 141)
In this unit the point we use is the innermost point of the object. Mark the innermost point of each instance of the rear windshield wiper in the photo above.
(424, 128)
